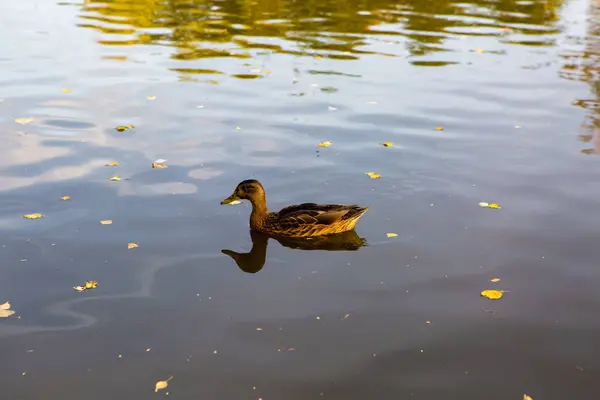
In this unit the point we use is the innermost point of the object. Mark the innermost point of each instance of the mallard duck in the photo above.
(303, 220)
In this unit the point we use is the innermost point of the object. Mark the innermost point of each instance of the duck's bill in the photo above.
(233, 199)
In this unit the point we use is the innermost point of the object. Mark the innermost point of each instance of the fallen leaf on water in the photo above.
(132, 245)
(162, 384)
(438, 128)
(65, 198)
(157, 165)
(151, 97)
(495, 280)
(23, 121)
(391, 234)
(5, 310)
(373, 175)
(489, 205)
(91, 285)
(112, 164)
(32, 216)
(387, 144)
(492, 294)
(114, 178)
(106, 221)
(526, 397)
(123, 128)
(65, 90)
(479, 51)
(325, 144)
(88, 285)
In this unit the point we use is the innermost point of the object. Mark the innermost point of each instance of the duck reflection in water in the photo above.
(254, 261)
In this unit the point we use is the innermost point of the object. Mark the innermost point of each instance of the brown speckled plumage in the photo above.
(302, 220)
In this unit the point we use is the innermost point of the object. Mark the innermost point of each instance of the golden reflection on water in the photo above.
(345, 30)
(584, 66)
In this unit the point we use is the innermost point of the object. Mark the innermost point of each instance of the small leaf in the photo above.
(325, 144)
(23, 121)
(489, 205)
(162, 384)
(65, 90)
(114, 178)
(65, 198)
(112, 164)
(373, 175)
(479, 51)
(156, 165)
(495, 280)
(91, 285)
(391, 234)
(106, 221)
(5, 310)
(132, 245)
(438, 128)
(32, 216)
(387, 144)
(492, 294)
(123, 128)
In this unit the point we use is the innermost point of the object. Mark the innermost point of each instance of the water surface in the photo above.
(230, 90)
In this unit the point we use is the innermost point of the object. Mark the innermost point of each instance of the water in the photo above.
(231, 90)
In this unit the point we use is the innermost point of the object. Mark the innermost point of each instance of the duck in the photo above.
(302, 220)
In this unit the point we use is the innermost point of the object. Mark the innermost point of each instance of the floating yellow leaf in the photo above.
(526, 397)
(157, 165)
(112, 164)
(479, 51)
(65, 198)
(123, 128)
(23, 121)
(391, 234)
(65, 90)
(106, 222)
(86, 286)
(114, 178)
(325, 144)
(162, 384)
(5, 310)
(32, 216)
(438, 128)
(373, 175)
(489, 205)
(132, 245)
(492, 294)
(91, 285)
(495, 280)
(387, 144)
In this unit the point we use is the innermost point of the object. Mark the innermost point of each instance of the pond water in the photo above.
(483, 101)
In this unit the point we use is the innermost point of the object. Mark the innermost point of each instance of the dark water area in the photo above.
(484, 102)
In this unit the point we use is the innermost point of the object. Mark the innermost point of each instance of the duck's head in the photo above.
(250, 189)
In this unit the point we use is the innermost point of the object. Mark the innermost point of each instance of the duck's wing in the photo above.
(317, 214)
